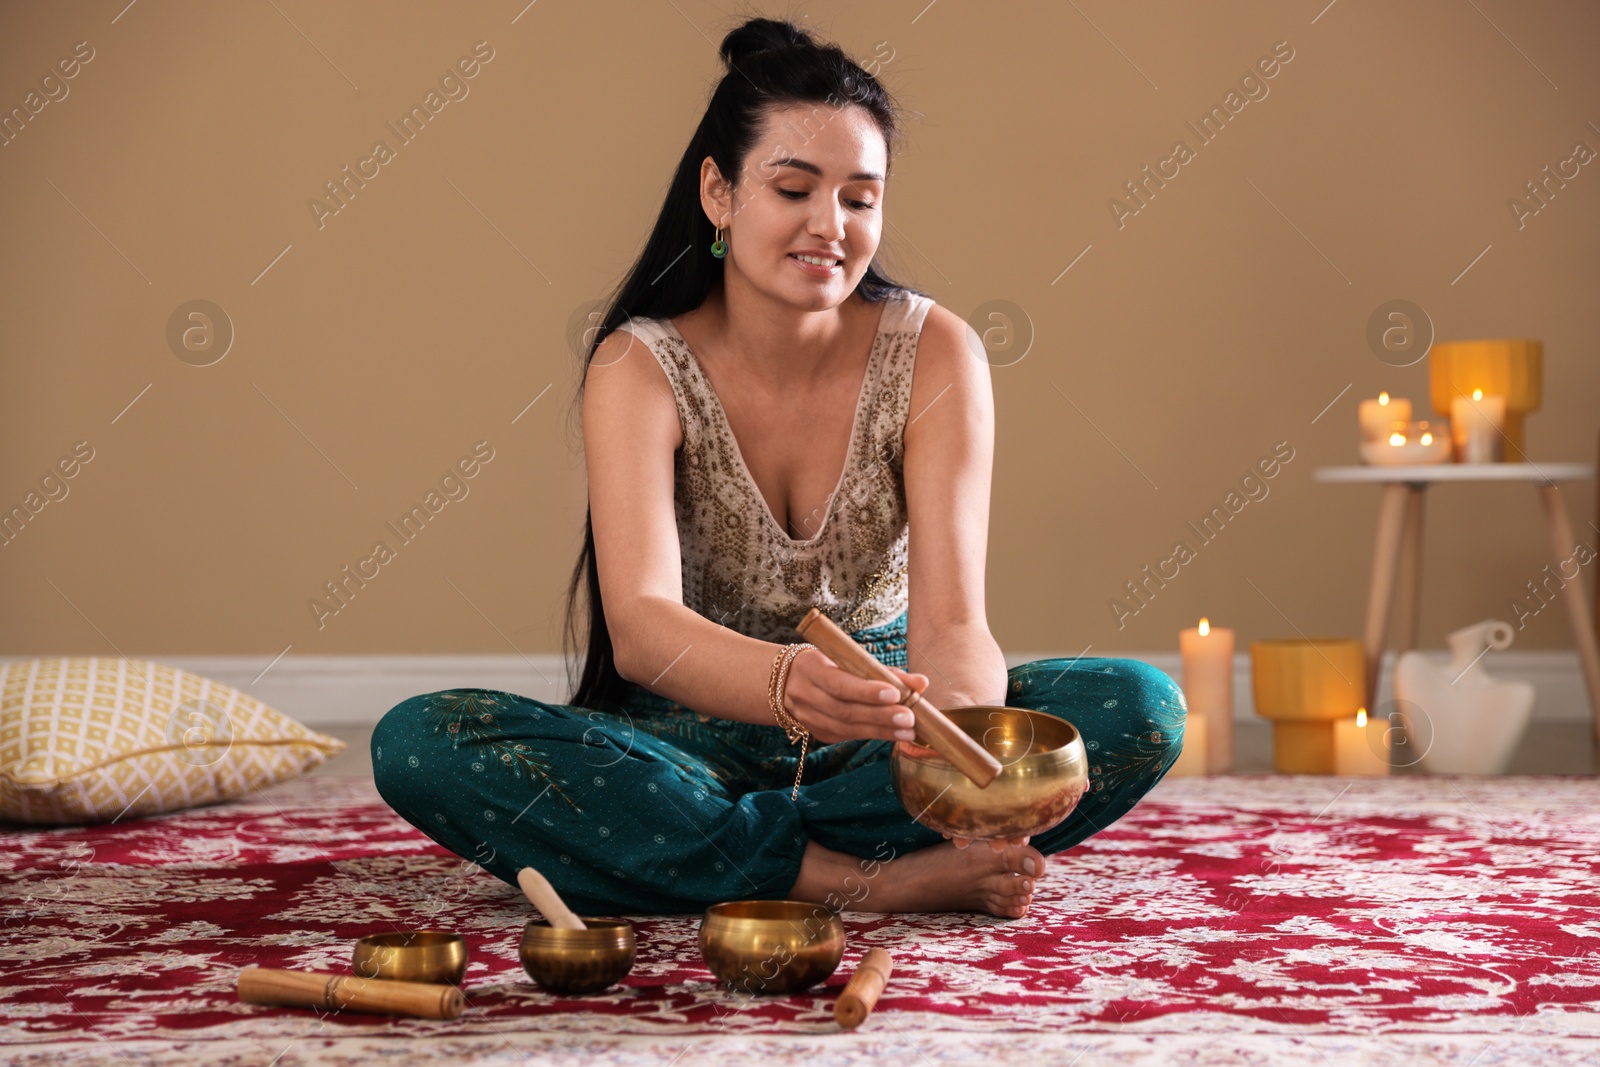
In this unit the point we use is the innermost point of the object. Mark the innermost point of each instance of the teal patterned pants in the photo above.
(661, 810)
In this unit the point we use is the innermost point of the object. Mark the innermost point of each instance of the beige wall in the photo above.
(373, 351)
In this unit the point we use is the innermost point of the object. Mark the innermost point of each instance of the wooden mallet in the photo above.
(347, 992)
(934, 728)
(861, 994)
(543, 895)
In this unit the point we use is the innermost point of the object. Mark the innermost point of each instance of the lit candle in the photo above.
(1208, 689)
(1408, 443)
(1475, 427)
(1191, 761)
(1378, 415)
(1360, 745)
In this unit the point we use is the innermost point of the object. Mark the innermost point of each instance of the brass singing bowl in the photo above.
(771, 946)
(411, 956)
(575, 962)
(1044, 774)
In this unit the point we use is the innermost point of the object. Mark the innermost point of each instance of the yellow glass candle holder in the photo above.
(1304, 686)
(1512, 368)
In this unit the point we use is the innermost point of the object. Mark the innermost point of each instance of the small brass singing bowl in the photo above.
(771, 946)
(1044, 774)
(575, 962)
(412, 956)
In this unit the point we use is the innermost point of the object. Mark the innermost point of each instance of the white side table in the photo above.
(1399, 548)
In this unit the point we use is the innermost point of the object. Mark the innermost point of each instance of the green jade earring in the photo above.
(719, 247)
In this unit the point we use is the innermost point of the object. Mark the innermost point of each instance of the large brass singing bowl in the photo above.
(1044, 773)
(574, 962)
(771, 946)
(411, 956)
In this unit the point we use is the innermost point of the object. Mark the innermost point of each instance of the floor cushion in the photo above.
(91, 739)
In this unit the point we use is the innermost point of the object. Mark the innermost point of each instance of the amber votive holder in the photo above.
(1508, 367)
(1304, 685)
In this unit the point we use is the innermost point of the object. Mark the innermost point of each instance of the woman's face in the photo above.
(813, 184)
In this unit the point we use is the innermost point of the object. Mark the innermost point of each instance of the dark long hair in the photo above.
(771, 63)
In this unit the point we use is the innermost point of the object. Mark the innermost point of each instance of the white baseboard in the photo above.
(343, 691)
(323, 691)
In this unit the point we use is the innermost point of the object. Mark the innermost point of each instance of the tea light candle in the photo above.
(1475, 427)
(1208, 689)
(1408, 443)
(1378, 415)
(1191, 761)
(1361, 745)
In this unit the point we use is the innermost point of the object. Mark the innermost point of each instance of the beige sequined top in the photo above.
(742, 570)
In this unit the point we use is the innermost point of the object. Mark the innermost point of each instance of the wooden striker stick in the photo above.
(934, 728)
(543, 895)
(861, 994)
(346, 992)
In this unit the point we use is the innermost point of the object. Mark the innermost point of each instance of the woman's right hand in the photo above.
(835, 705)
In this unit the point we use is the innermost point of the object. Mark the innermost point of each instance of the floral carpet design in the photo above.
(1282, 919)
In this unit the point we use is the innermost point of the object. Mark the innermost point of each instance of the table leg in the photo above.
(1380, 594)
(1555, 510)
(1410, 595)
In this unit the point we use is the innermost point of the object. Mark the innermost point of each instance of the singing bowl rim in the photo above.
(574, 966)
(433, 940)
(912, 763)
(547, 952)
(722, 911)
(721, 924)
(915, 753)
(598, 933)
(417, 955)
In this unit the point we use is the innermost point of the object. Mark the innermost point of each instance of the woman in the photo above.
(766, 418)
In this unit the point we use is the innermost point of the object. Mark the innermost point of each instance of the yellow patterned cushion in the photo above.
(101, 739)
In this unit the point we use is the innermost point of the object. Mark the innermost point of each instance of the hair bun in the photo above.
(762, 35)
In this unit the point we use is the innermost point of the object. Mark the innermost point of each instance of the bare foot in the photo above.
(940, 877)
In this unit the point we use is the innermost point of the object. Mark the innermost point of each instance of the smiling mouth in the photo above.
(812, 261)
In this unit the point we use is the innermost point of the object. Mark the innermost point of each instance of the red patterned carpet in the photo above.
(1279, 920)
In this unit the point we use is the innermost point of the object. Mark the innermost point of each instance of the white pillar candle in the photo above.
(1191, 761)
(1476, 425)
(1208, 689)
(1377, 416)
(1361, 745)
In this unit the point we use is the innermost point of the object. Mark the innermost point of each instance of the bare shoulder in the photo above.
(950, 365)
(625, 386)
(950, 336)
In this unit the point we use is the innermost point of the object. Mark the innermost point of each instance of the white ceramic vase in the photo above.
(1460, 719)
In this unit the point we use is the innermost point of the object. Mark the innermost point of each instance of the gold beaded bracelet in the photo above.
(791, 726)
